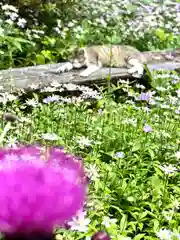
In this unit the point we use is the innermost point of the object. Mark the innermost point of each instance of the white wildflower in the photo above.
(13, 15)
(130, 121)
(92, 171)
(168, 215)
(177, 154)
(79, 223)
(178, 236)
(161, 89)
(168, 169)
(12, 142)
(21, 22)
(55, 84)
(164, 234)
(49, 89)
(178, 93)
(33, 86)
(107, 222)
(3, 99)
(176, 204)
(9, 7)
(70, 24)
(70, 86)
(160, 99)
(11, 97)
(163, 133)
(4, 132)
(50, 136)
(84, 142)
(173, 100)
(36, 36)
(32, 102)
(140, 86)
(65, 99)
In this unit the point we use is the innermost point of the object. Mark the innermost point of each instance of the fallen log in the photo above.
(40, 76)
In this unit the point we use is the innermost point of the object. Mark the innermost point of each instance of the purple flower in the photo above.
(101, 235)
(40, 189)
(177, 7)
(50, 99)
(145, 96)
(149, 9)
(175, 81)
(147, 128)
(177, 111)
(119, 155)
(33, 236)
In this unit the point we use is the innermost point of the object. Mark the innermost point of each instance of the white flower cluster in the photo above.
(117, 18)
(11, 14)
(126, 15)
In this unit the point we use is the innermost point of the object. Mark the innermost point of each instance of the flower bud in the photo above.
(101, 235)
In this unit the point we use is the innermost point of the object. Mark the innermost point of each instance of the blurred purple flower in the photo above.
(149, 9)
(145, 96)
(147, 128)
(101, 235)
(175, 81)
(119, 155)
(177, 111)
(177, 7)
(50, 99)
(41, 188)
(33, 236)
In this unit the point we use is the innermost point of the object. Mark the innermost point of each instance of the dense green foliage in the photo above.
(37, 32)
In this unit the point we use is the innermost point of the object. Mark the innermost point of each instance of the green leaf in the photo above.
(123, 223)
(100, 104)
(124, 185)
(131, 7)
(160, 33)
(148, 73)
(17, 45)
(40, 59)
(143, 215)
(156, 182)
(139, 236)
(156, 225)
(140, 226)
(22, 40)
(47, 54)
(170, 36)
(147, 1)
(117, 208)
(136, 147)
(151, 153)
(52, 41)
(121, 237)
(131, 199)
(133, 225)
(12, 41)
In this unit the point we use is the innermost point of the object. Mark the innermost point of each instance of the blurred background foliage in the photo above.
(46, 31)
